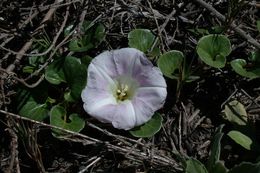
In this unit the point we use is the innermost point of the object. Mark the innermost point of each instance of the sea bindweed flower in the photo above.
(123, 88)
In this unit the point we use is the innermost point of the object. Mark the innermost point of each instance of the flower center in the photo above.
(121, 93)
(125, 88)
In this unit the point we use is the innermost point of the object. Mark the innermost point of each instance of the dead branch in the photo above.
(236, 28)
(28, 44)
(138, 155)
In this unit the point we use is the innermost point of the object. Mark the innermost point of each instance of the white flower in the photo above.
(123, 88)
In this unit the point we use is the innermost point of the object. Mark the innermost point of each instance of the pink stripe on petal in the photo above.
(126, 71)
(98, 78)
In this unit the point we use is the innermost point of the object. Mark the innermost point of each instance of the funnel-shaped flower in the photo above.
(123, 88)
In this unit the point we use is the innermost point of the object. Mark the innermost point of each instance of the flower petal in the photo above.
(105, 61)
(143, 111)
(98, 78)
(96, 100)
(139, 67)
(124, 116)
(153, 97)
(130, 67)
(119, 62)
(125, 60)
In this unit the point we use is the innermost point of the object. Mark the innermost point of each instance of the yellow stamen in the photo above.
(122, 92)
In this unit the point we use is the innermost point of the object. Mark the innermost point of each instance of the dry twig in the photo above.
(236, 28)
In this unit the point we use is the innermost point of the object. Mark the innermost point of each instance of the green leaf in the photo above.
(93, 35)
(87, 25)
(215, 149)
(241, 139)
(219, 167)
(54, 72)
(246, 167)
(235, 113)
(170, 63)
(38, 94)
(195, 166)
(28, 69)
(59, 118)
(99, 34)
(86, 60)
(141, 39)
(255, 57)
(36, 60)
(78, 45)
(238, 66)
(148, 129)
(76, 75)
(258, 25)
(68, 97)
(213, 49)
(34, 111)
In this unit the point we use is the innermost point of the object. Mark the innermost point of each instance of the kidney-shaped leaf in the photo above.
(170, 63)
(54, 72)
(235, 113)
(238, 66)
(148, 129)
(213, 49)
(195, 166)
(241, 139)
(141, 39)
(59, 118)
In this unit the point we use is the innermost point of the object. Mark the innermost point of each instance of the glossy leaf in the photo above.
(195, 166)
(238, 66)
(213, 49)
(76, 75)
(170, 63)
(34, 111)
(148, 129)
(141, 39)
(59, 118)
(235, 113)
(241, 139)
(54, 72)
(246, 167)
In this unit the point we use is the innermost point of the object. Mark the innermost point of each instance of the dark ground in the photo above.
(188, 124)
